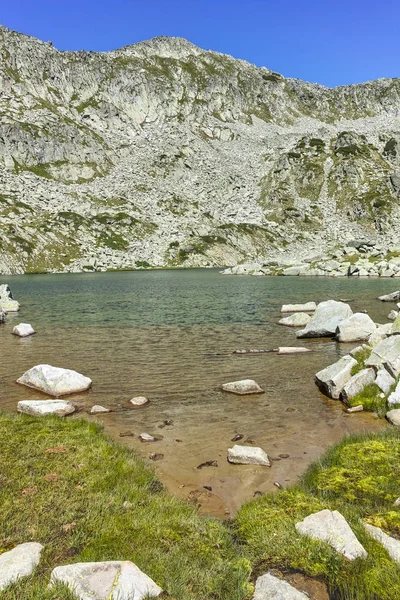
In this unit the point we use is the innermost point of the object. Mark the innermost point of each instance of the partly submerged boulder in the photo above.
(386, 353)
(331, 527)
(21, 561)
(332, 379)
(98, 410)
(245, 386)
(393, 297)
(248, 455)
(269, 587)
(356, 328)
(357, 383)
(7, 303)
(23, 330)
(300, 319)
(307, 307)
(54, 380)
(41, 408)
(326, 319)
(115, 580)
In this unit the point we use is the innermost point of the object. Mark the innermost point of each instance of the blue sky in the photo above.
(332, 42)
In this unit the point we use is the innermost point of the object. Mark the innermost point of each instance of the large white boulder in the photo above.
(391, 545)
(326, 319)
(269, 587)
(357, 383)
(394, 397)
(393, 297)
(21, 561)
(332, 380)
(42, 408)
(386, 353)
(111, 580)
(245, 386)
(54, 380)
(393, 416)
(300, 319)
(23, 330)
(331, 527)
(356, 328)
(307, 307)
(384, 380)
(7, 303)
(248, 455)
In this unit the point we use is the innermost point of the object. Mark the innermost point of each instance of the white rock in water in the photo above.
(357, 383)
(248, 455)
(98, 410)
(113, 580)
(393, 297)
(393, 416)
(40, 408)
(23, 330)
(326, 319)
(2, 315)
(331, 527)
(307, 307)
(356, 328)
(391, 545)
(355, 409)
(146, 437)
(245, 386)
(332, 379)
(384, 381)
(54, 380)
(269, 587)
(292, 350)
(19, 562)
(139, 401)
(7, 303)
(393, 315)
(299, 319)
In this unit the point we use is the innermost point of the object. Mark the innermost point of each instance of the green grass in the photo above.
(360, 356)
(360, 478)
(370, 398)
(188, 556)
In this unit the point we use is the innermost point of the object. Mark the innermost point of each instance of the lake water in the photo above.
(170, 335)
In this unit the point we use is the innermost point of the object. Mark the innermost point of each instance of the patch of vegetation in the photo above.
(370, 398)
(64, 484)
(359, 478)
(360, 356)
(143, 264)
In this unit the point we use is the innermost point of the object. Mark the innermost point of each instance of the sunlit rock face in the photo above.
(164, 154)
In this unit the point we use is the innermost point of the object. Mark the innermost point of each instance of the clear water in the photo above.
(169, 335)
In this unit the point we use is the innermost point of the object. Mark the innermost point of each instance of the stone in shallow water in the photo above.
(300, 319)
(326, 319)
(269, 587)
(332, 379)
(248, 455)
(19, 562)
(394, 416)
(23, 330)
(98, 410)
(7, 303)
(54, 380)
(356, 328)
(138, 401)
(2, 315)
(111, 580)
(292, 350)
(245, 386)
(390, 544)
(331, 527)
(41, 408)
(307, 307)
(146, 437)
(393, 297)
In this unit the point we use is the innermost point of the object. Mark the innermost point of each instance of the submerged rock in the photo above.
(54, 380)
(23, 330)
(391, 545)
(307, 307)
(269, 587)
(114, 580)
(98, 410)
(300, 319)
(41, 408)
(331, 527)
(139, 401)
(292, 350)
(245, 386)
(248, 455)
(21, 561)
(7, 303)
(356, 328)
(326, 319)
(357, 383)
(393, 297)
(146, 437)
(332, 379)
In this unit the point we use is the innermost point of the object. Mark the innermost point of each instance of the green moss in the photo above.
(370, 399)
(360, 356)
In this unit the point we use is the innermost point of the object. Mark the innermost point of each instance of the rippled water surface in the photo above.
(169, 335)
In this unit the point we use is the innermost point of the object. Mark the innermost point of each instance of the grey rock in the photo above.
(243, 387)
(292, 350)
(248, 455)
(393, 315)
(19, 562)
(40, 408)
(357, 383)
(2, 315)
(331, 527)
(7, 303)
(332, 379)
(386, 352)
(23, 330)
(389, 543)
(138, 401)
(356, 328)
(113, 580)
(295, 308)
(326, 319)
(393, 297)
(54, 380)
(394, 397)
(394, 417)
(98, 410)
(269, 587)
(355, 409)
(384, 380)
(300, 319)
(146, 437)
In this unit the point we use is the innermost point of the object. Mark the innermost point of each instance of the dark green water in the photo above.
(169, 335)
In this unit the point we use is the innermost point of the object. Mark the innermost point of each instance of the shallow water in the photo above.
(169, 335)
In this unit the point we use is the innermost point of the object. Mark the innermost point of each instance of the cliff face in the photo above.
(163, 154)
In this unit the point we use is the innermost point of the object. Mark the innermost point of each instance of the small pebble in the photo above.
(138, 401)
(207, 487)
(278, 485)
(208, 463)
(237, 437)
(284, 455)
(126, 434)
(146, 437)
(354, 409)
(257, 493)
(397, 502)
(156, 456)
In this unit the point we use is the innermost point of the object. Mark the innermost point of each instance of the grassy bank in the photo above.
(85, 498)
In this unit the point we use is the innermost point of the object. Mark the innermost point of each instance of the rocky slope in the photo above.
(164, 154)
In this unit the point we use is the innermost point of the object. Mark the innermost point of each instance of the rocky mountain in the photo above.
(164, 154)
